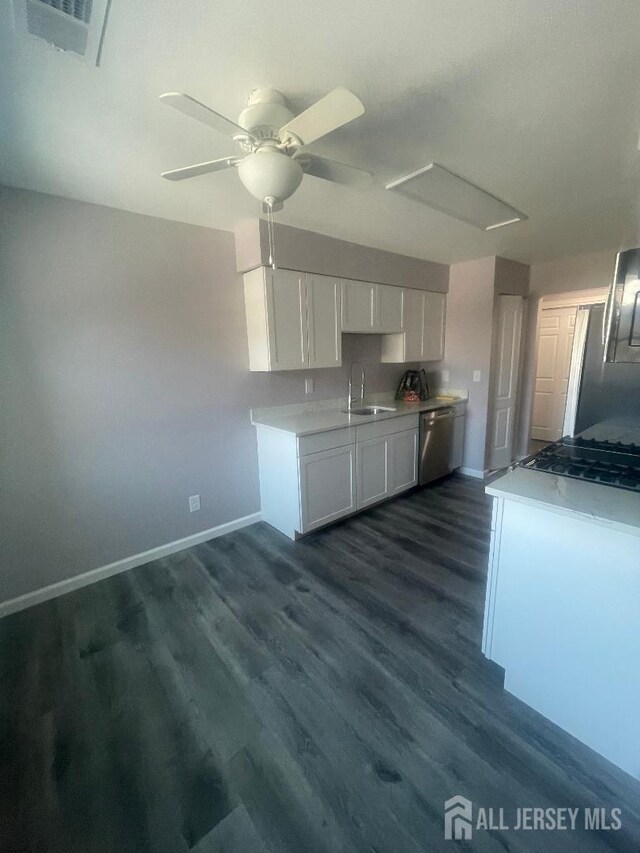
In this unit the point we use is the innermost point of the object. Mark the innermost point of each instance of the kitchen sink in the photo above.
(368, 410)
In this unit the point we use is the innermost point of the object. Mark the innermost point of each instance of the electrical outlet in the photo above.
(308, 386)
(445, 375)
(194, 503)
(476, 375)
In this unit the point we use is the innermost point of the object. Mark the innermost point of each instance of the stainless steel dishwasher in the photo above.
(436, 444)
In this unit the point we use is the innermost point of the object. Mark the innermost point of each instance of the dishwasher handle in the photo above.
(432, 417)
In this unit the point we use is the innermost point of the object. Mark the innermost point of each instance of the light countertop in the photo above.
(617, 509)
(309, 418)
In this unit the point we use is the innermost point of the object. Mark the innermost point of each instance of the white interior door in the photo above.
(506, 367)
(555, 343)
(575, 370)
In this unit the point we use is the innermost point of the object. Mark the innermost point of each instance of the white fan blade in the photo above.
(191, 107)
(331, 170)
(335, 109)
(201, 169)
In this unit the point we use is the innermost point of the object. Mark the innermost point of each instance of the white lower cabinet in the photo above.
(403, 467)
(372, 466)
(312, 480)
(327, 486)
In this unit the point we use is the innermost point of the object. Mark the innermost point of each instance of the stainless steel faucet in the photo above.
(353, 400)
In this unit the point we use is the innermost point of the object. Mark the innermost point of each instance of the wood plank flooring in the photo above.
(254, 695)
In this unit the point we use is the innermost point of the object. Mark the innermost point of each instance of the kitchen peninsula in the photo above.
(563, 603)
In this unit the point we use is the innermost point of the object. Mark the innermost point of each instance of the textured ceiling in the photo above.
(536, 101)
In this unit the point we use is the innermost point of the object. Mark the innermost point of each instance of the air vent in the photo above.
(78, 9)
(76, 26)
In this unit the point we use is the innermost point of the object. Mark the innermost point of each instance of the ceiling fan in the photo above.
(274, 142)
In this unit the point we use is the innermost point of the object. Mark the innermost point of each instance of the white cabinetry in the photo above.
(372, 466)
(561, 613)
(327, 486)
(386, 464)
(423, 323)
(309, 481)
(371, 308)
(433, 322)
(324, 337)
(358, 306)
(389, 308)
(403, 451)
(293, 320)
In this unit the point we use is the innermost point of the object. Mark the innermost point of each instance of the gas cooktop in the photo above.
(610, 463)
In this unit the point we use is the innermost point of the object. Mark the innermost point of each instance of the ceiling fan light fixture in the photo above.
(268, 173)
(448, 193)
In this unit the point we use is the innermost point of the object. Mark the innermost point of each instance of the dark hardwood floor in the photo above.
(252, 695)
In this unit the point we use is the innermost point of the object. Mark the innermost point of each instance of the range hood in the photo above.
(621, 328)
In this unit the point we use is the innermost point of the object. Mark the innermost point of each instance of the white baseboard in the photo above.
(102, 572)
(472, 472)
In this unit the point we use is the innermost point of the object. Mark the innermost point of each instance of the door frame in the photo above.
(566, 299)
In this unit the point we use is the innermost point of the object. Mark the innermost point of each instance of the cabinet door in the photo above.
(323, 321)
(457, 452)
(287, 319)
(358, 306)
(372, 463)
(327, 486)
(389, 313)
(433, 319)
(413, 310)
(403, 461)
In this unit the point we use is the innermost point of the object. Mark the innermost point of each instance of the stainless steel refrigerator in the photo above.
(607, 389)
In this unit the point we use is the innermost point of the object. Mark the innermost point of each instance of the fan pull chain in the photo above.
(270, 231)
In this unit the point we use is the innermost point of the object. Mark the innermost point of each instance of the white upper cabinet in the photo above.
(293, 320)
(358, 306)
(423, 323)
(323, 321)
(434, 320)
(368, 307)
(286, 319)
(389, 308)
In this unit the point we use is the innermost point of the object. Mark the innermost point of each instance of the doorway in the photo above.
(560, 345)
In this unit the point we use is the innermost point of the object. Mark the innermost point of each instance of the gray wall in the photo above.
(305, 250)
(474, 288)
(125, 386)
(468, 347)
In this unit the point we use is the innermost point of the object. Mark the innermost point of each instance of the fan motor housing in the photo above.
(266, 113)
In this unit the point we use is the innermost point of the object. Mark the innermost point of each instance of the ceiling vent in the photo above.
(75, 26)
